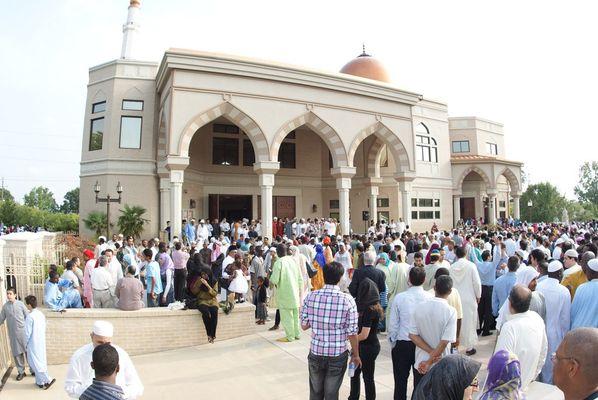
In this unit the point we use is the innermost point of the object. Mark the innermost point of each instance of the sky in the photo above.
(531, 65)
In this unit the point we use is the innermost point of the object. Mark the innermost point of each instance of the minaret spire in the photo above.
(130, 30)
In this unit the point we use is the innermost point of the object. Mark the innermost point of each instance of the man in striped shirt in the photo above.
(332, 317)
(105, 365)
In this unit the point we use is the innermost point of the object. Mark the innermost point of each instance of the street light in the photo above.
(108, 199)
(530, 204)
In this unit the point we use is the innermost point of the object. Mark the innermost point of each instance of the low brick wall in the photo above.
(145, 331)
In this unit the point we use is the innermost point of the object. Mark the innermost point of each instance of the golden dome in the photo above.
(366, 66)
(135, 3)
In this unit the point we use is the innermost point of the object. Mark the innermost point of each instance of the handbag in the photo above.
(311, 271)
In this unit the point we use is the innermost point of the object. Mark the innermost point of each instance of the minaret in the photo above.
(130, 30)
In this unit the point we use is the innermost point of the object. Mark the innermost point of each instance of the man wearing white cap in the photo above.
(558, 249)
(558, 308)
(584, 310)
(203, 233)
(570, 261)
(100, 247)
(80, 374)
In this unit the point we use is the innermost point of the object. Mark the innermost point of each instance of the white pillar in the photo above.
(492, 208)
(165, 202)
(373, 203)
(266, 171)
(516, 209)
(343, 177)
(130, 30)
(176, 199)
(405, 189)
(456, 209)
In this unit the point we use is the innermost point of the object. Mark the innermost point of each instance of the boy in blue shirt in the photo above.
(152, 279)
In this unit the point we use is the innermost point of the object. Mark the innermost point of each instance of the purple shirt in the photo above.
(333, 317)
(179, 258)
(165, 263)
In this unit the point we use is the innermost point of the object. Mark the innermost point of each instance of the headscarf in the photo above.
(215, 250)
(383, 259)
(448, 379)
(429, 253)
(367, 294)
(319, 258)
(393, 256)
(326, 240)
(525, 275)
(504, 378)
(211, 281)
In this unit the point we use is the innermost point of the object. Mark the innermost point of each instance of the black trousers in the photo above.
(403, 360)
(277, 318)
(485, 317)
(368, 355)
(180, 280)
(209, 314)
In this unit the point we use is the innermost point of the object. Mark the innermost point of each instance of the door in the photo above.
(284, 206)
(213, 206)
(467, 205)
(234, 207)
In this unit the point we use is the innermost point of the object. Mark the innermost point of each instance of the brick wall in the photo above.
(139, 332)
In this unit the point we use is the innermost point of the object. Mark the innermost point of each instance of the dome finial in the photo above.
(363, 54)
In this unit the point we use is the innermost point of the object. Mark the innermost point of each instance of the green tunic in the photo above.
(287, 278)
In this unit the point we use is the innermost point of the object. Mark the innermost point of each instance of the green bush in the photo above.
(12, 213)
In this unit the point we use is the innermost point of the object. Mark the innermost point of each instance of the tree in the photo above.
(70, 205)
(547, 202)
(131, 221)
(6, 195)
(586, 189)
(41, 198)
(96, 221)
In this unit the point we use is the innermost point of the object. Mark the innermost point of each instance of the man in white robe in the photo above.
(14, 313)
(80, 374)
(35, 334)
(467, 282)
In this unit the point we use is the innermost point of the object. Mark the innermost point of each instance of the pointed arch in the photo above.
(477, 170)
(99, 95)
(321, 128)
(236, 116)
(133, 93)
(388, 137)
(511, 178)
(373, 158)
(162, 147)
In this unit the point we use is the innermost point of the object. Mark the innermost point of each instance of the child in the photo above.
(262, 298)
(35, 334)
(239, 285)
(104, 361)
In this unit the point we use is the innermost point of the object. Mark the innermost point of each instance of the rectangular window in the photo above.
(492, 149)
(225, 128)
(383, 216)
(335, 215)
(98, 107)
(437, 214)
(436, 202)
(461, 146)
(133, 105)
(286, 155)
(130, 132)
(334, 204)
(426, 215)
(425, 202)
(96, 134)
(413, 214)
(502, 203)
(383, 202)
(248, 153)
(413, 202)
(225, 151)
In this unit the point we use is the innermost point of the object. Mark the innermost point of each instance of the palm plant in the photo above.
(96, 221)
(131, 221)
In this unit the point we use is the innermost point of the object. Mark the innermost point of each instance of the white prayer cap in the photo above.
(571, 253)
(554, 266)
(593, 264)
(156, 239)
(201, 221)
(272, 248)
(520, 253)
(546, 252)
(102, 237)
(559, 241)
(103, 328)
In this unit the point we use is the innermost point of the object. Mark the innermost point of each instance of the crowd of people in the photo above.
(430, 294)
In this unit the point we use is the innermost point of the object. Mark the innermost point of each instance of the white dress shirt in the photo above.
(401, 312)
(100, 278)
(525, 336)
(80, 375)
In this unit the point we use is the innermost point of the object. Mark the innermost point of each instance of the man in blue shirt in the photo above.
(58, 300)
(504, 284)
(487, 274)
(152, 279)
(584, 310)
(105, 365)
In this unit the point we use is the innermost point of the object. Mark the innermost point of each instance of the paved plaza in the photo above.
(253, 366)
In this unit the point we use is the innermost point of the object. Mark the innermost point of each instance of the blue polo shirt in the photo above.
(501, 291)
(153, 270)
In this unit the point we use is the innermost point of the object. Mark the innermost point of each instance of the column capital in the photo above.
(374, 190)
(164, 183)
(266, 179)
(516, 195)
(343, 183)
(372, 181)
(177, 177)
(405, 176)
(491, 194)
(176, 163)
(405, 186)
(343, 172)
(266, 167)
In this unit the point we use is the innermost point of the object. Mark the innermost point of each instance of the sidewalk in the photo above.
(253, 366)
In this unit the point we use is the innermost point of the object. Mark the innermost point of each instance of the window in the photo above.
(492, 148)
(384, 156)
(130, 133)
(96, 134)
(413, 202)
(383, 202)
(461, 146)
(225, 151)
(334, 204)
(225, 128)
(133, 105)
(413, 214)
(248, 153)
(335, 215)
(383, 216)
(426, 215)
(98, 107)
(286, 155)
(437, 214)
(436, 202)
(426, 146)
(502, 203)
(425, 202)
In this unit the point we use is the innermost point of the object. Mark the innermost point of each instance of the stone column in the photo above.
(492, 208)
(343, 177)
(165, 202)
(266, 171)
(405, 189)
(373, 203)
(176, 165)
(456, 209)
(516, 209)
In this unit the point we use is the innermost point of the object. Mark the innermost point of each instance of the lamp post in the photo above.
(108, 199)
(530, 204)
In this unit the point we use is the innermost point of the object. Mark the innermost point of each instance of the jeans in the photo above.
(209, 314)
(180, 280)
(485, 309)
(368, 354)
(152, 302)
(326, 375)
(403, 360)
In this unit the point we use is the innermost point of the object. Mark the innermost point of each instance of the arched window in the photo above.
(426, 146)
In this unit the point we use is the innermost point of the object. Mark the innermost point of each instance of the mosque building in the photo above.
(205, 135)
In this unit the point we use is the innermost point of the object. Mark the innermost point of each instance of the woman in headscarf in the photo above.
(327, 250)
(504, 378)
(343, 257)
(370, 314)
(452, 378)
(205, 288)
(390, 272)
(434, 246)
(317, 281)
(301, 263)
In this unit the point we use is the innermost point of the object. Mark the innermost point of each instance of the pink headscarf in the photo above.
(429, 253)
(216, 251)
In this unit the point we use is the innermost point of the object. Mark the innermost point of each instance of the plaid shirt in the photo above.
(332, 316)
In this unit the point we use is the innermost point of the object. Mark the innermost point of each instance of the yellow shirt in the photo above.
(573, 281)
